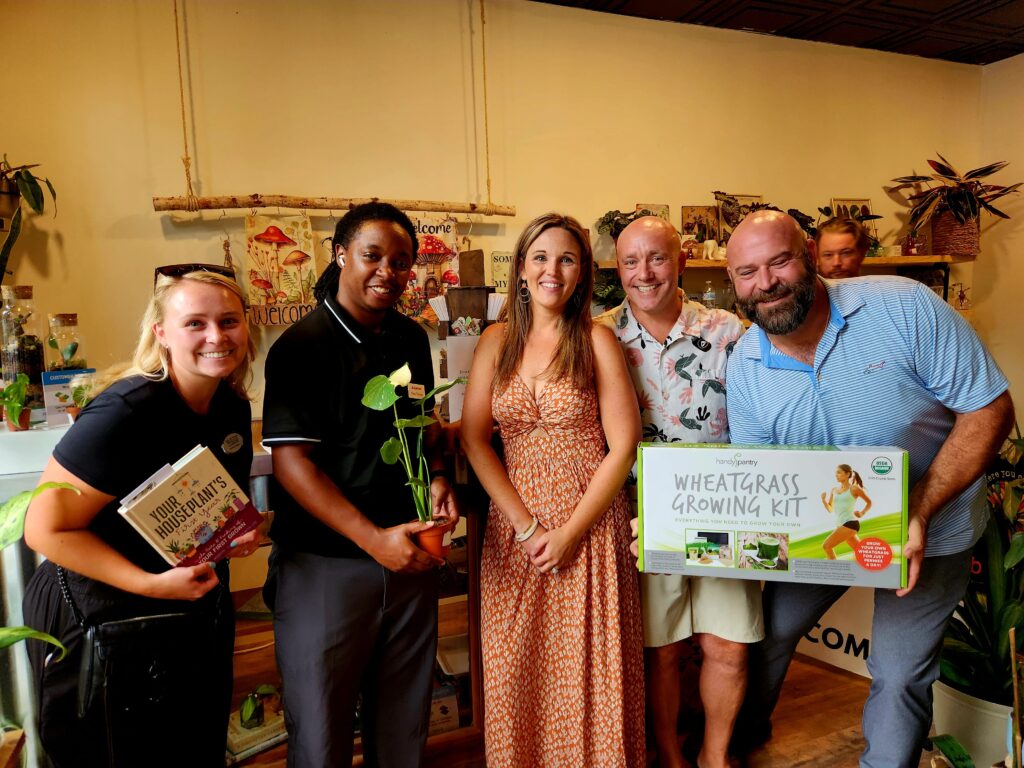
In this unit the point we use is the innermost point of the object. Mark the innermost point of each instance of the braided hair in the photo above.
(348, 226)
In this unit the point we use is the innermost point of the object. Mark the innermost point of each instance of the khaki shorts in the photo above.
(676, 607)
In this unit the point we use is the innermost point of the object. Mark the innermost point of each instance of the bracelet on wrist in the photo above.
(436, 473)
(521, 537)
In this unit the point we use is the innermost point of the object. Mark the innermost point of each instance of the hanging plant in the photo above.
(18, 183)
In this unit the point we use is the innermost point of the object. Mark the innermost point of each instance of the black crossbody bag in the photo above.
(139, 650)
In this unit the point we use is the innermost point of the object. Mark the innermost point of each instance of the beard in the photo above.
(783, 318)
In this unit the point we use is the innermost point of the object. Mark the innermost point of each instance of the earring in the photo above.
(524, 293)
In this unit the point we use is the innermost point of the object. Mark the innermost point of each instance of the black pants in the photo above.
(345, 627)
(179, 718)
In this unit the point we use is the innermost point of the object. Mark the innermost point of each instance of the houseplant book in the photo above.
(190, 511)
(246, 742)
(814, 514)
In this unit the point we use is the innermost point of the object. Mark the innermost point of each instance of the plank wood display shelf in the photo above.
(879, 261)
(937, 261)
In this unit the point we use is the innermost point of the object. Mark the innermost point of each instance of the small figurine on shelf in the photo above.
(961, 301)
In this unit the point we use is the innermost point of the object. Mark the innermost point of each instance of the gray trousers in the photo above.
(346, 626)
(906, 641)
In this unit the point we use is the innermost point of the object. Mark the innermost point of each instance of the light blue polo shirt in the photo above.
(893, 367)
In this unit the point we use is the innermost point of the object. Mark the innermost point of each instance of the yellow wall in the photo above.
(588, 112)
(999, 271)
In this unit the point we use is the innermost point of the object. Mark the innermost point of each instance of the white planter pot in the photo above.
(977, 724)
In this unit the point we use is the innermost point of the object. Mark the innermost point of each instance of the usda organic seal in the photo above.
(881, 466)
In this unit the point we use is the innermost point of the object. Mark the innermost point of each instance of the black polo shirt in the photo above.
(315, 375)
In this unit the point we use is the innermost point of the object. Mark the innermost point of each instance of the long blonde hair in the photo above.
(574, 358)
(151, 359)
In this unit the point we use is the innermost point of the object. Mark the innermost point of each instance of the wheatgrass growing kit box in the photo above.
(823, 515)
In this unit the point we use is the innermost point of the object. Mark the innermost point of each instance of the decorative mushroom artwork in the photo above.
(279, 273)
(433, 268)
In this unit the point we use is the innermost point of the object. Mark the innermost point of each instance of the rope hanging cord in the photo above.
(191, 201)
(487, 127)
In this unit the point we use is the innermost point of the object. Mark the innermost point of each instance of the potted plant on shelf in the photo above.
(379, 394)
(954, 205)
(613, 222)
(976, 675)
(13, 398)
(81, 394)
(17, 183)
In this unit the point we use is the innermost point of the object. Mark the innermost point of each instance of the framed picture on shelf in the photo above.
(701, 221)
(657, 209)
(731, 211)
(854, 208)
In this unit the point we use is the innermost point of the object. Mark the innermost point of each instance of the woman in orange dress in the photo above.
(560, 610)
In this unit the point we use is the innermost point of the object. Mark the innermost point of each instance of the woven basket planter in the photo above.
(951, 238)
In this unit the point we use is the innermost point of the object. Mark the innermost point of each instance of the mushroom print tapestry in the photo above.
(279, 268)
(435, 267)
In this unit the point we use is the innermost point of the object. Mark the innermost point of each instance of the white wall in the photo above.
(588, 112)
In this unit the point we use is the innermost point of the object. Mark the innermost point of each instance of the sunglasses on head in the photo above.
(179, 270)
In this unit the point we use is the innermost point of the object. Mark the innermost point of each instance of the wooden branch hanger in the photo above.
(183, 203)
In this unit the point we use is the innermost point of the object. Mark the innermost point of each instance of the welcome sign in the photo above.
(823, 515)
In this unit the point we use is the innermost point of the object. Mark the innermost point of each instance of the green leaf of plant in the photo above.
(12, 511)
(265, 690)
(415, 482)
(12, 238)
(69, 351)
(51, 343)
(415, 421)
(53, 195)
(11, 635)
(1016, 552)
(379, 393)
(30, 190)
(391, 450)
(953, 751)
(441, 388)
(248, 707)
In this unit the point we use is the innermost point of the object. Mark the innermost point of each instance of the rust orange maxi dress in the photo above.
(562, 653)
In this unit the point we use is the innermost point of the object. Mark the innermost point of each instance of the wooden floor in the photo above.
(817, 722)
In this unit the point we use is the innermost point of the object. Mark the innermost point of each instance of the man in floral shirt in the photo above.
(676, 351)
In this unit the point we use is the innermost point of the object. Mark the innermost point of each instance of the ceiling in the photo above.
(965, 31)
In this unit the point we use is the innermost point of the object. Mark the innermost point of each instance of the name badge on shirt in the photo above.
(232, 443)
(416, 391)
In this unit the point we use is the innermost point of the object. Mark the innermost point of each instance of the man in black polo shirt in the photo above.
(354, 600)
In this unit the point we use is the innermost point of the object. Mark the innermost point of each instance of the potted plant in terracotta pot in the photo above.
(379, 394)
(954, 204)
(18, 183)
(81, 394)
(975, 688)
(13, 398)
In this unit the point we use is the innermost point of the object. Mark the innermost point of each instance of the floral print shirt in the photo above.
(680, 384)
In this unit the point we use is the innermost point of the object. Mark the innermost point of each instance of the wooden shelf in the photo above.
(878, 261)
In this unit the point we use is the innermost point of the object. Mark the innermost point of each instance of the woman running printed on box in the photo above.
(841, 500)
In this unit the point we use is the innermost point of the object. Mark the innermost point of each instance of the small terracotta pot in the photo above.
(437, 540)
(72, 411)
(22, 424)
